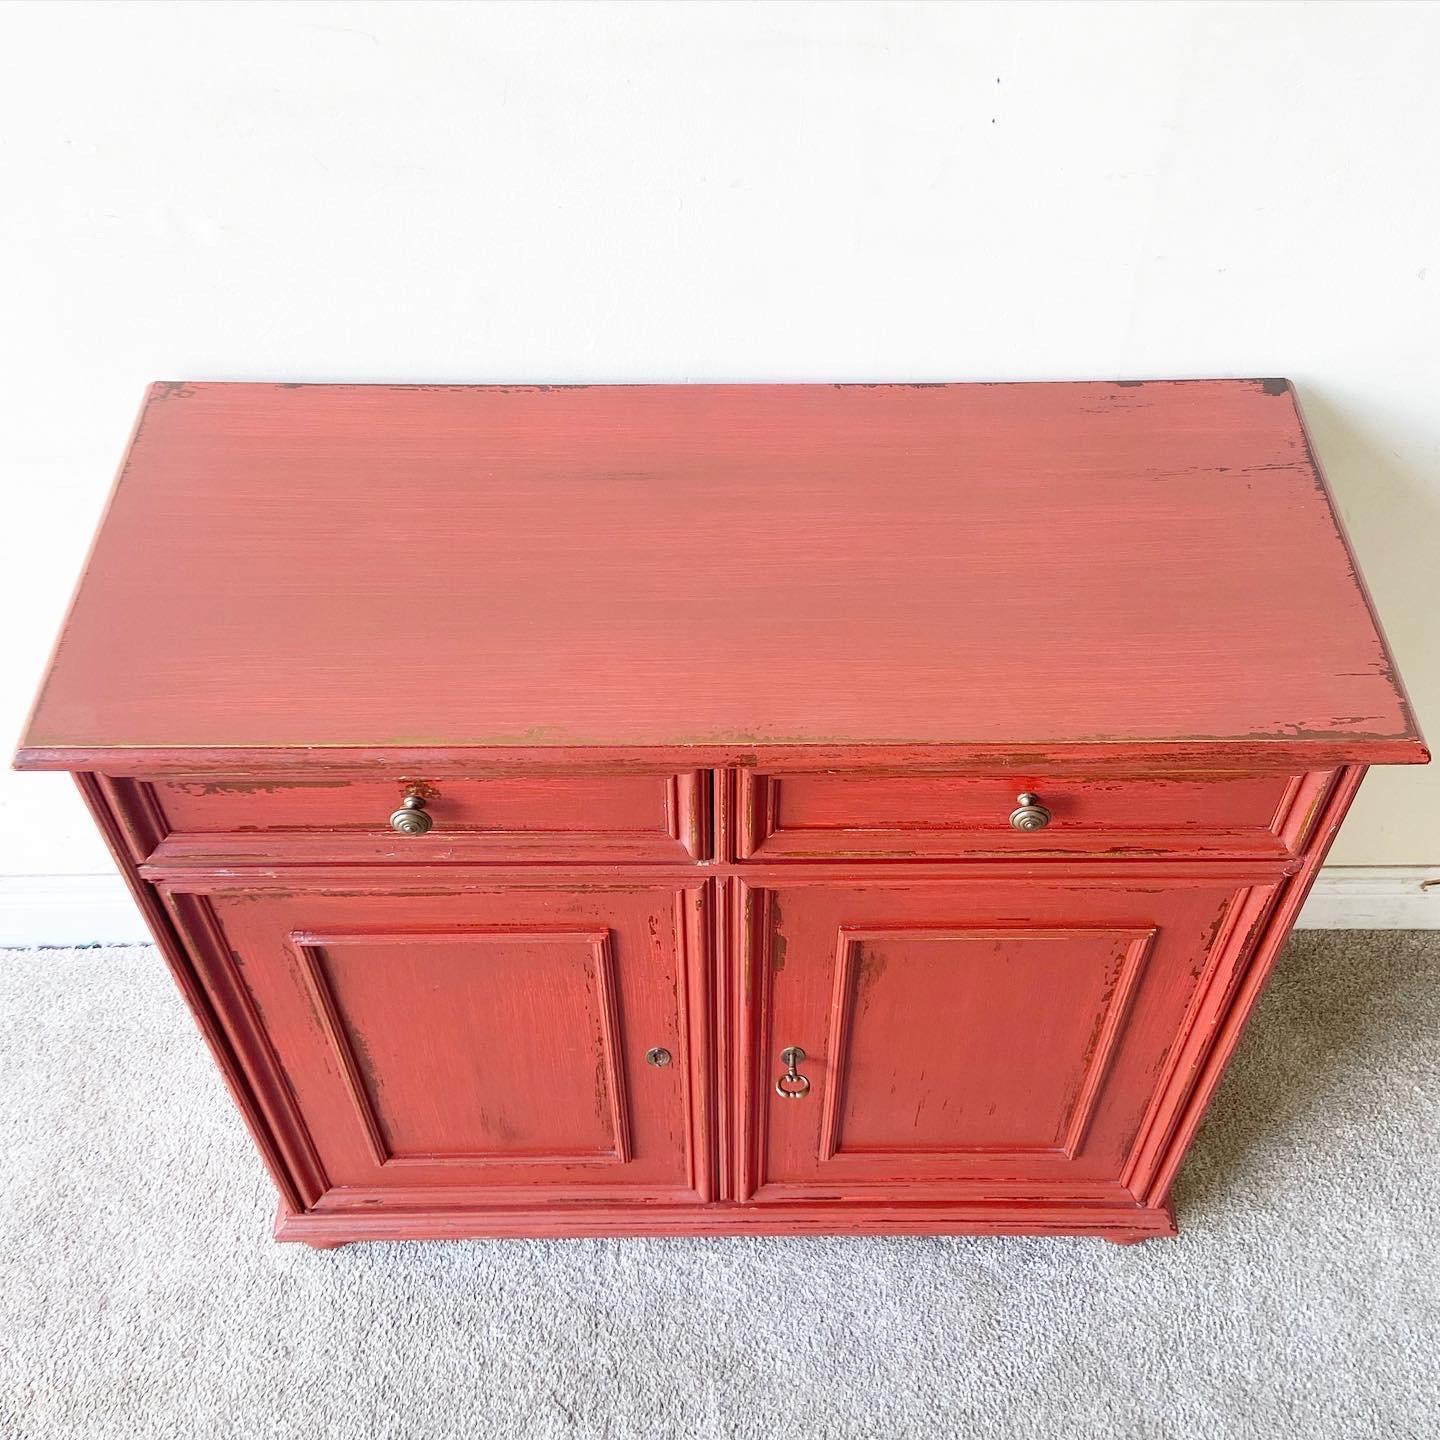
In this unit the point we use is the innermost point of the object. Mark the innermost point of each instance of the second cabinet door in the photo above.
(995, 1038)
(491, 1045)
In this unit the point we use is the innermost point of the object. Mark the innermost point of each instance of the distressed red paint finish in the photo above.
(623, 566)
(719, 698)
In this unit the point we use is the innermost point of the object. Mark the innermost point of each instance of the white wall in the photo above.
(760, 192)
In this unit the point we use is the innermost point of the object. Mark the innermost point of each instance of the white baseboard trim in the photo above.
(98, 910)
(1374, 897)
(68, 910)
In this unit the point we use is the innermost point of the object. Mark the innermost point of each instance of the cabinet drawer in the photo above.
(914, 815)
(534, 817)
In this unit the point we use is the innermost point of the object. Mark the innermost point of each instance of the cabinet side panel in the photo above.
(1230, 1024)
(296, 1190)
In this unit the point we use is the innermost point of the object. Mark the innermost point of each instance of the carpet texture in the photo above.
(140, 1294)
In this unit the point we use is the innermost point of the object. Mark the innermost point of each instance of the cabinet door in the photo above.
(993, 1038)
(479, 1047)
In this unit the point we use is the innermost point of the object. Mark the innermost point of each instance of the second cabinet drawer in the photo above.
(928, 815)
(527, 817)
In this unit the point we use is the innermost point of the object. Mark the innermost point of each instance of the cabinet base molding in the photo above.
(1102, 1222)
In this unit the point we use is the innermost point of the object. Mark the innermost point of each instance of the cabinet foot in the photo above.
(287, 1230)
(1165, 1230)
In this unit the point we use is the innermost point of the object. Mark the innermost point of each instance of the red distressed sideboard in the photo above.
(711, 809)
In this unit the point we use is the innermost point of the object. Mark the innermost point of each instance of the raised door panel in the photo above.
(1006, 1049)
(1003, 1038)
(479, 1047)
(474, 1047)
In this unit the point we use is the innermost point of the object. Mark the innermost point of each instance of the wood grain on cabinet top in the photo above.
(1063, 567)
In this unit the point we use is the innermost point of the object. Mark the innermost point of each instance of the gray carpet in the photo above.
(140, 1294)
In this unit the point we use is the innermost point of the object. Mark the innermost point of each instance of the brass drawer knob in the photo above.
(411, 818)
(1030, 814)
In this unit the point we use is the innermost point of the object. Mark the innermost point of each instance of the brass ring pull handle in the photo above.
(792, 1084)
(411, 818)
(1031, 814)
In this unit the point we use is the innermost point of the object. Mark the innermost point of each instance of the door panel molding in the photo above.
(310, 950)
(1073, 1121)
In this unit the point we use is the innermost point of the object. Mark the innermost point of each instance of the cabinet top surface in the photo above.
(1055, 566)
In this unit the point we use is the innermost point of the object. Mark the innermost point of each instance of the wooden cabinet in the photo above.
(720, 809)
